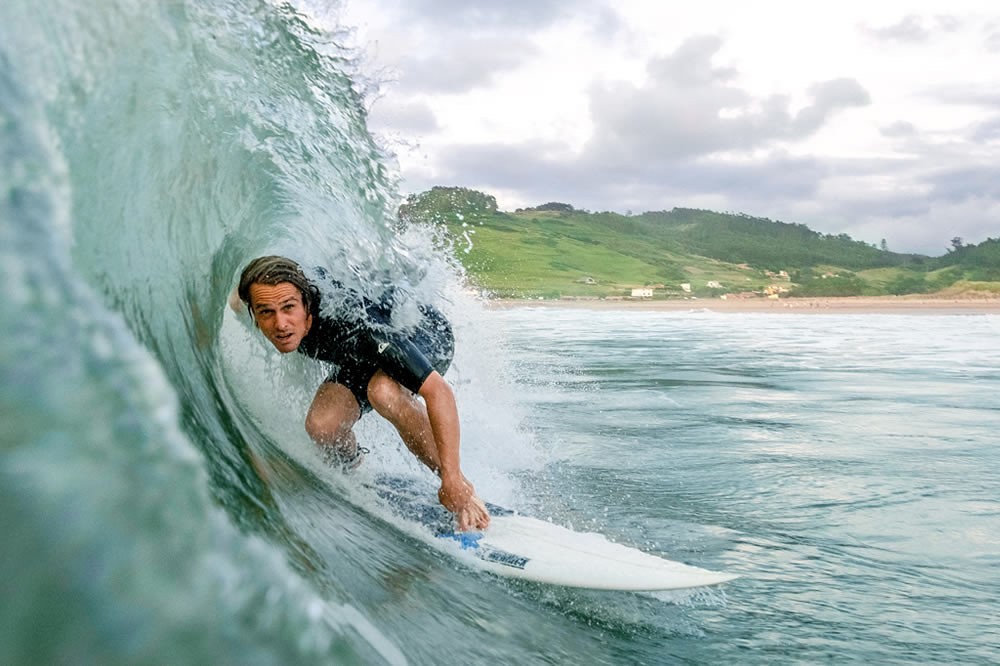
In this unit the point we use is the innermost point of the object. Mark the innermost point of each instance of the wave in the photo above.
(156, 488)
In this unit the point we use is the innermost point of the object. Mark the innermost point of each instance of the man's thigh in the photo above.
(334, 408)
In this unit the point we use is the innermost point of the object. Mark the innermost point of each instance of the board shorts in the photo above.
(407, 358)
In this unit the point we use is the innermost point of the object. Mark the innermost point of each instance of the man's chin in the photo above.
(285, 347)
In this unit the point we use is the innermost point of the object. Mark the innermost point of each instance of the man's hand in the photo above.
(235, 304)
(458, 496)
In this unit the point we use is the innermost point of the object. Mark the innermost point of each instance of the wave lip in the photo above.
(142, 160)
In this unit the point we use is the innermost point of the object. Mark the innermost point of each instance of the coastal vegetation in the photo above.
(557, 251)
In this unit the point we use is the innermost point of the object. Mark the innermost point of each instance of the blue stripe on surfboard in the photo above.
(416, 501)
(412, 500)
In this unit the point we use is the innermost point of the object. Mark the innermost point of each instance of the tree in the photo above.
(447, 204)
(555, 206)
(908, 284)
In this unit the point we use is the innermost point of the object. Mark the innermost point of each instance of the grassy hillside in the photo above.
(554, 251)
(763, 242)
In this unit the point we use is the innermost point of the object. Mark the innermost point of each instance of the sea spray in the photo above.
(121, 171)
(161, 501)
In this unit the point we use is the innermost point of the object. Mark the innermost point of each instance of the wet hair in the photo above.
(274, 270)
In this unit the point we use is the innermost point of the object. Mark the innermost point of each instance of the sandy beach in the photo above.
(844, 305)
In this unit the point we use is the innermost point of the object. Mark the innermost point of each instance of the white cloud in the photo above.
(689, 108)
(466, 64)
(871, 119)
(992, 38)
(482, 14)
(915, 29)
(987, 131)
(413, 116)
(900, 128)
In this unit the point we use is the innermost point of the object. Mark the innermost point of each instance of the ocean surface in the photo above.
(161, 502)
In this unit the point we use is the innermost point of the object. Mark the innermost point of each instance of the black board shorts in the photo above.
(407, 358)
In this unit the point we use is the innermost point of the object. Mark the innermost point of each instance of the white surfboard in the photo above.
(531, 549)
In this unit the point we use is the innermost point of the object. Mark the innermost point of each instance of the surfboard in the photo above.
(520, 546)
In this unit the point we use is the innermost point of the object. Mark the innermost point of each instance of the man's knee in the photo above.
(385, 394)
(331, 417)
(327, 428)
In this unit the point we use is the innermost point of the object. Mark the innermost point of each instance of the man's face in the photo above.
(280, 314)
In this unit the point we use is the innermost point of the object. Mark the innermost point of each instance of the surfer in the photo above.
(374, 367)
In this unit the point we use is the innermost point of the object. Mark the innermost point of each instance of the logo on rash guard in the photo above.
(382, 346)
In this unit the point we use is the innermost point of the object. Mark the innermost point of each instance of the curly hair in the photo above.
(274, 270)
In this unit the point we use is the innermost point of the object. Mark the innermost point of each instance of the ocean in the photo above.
(161, 502)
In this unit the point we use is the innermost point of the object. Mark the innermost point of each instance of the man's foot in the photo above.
(346, 461)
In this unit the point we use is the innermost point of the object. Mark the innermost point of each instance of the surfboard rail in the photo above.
(528, 548)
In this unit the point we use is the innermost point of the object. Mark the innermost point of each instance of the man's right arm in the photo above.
(236, 303)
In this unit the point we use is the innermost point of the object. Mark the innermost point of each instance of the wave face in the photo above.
(153, 505)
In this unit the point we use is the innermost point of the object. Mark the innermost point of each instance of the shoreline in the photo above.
(829, 305)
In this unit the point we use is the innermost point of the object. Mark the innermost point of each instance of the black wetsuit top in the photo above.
(361, 341)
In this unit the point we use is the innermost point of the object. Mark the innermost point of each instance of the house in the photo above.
(642, 292)
(713, 284)
(686, 287)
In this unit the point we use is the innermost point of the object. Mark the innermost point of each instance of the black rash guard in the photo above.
(359, 341)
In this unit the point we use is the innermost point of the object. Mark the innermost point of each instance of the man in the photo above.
(375, 367)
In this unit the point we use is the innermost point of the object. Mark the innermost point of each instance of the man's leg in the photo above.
(330, 420)
(407, 413)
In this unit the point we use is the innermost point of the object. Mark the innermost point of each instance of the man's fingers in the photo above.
(468, 520)
(474, 515)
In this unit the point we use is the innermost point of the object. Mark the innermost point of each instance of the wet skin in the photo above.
(430, 430)
(280, 314)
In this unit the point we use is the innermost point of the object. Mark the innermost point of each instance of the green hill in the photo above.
(555, 250)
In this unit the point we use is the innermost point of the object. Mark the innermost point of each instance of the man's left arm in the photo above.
(442, 411)
(456, 493)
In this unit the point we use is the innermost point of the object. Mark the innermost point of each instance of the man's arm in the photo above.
(456, 493)
(442, 411)
(235, 303)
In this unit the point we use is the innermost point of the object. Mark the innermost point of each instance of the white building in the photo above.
(642, 292)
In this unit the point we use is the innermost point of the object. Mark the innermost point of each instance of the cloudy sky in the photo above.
(879, 119)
